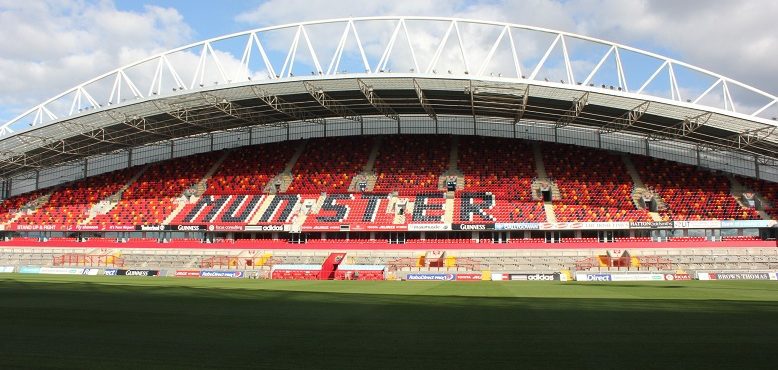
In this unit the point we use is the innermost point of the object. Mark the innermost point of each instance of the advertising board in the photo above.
(220, 274)
(534, 277)
(187, 273)
(430, 277)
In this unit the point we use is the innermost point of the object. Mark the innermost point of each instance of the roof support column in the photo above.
(756, 167)
(86, 167)
(129, 158)
(697, 149)
(37, 179)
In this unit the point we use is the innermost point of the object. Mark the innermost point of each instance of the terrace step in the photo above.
(550, 213)
(542, 177)
(110, 202)
(639, 190)
(30, 207)
(193, 194)
(737, 190)
(285, 178)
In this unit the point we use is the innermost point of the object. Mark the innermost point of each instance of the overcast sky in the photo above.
(49, 46)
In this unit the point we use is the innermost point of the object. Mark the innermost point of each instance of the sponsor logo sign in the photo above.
(186, 227)
(87, 227)
(534, 277)
(468, 277)
(742, 276)
(518, 226)
(651, 225)
(774, 276)
(434, 277)
(429, 227)
(120, 228)
(225, 227)
(593, 277)
(712, 224)
(474, 227)
(35, 227)
(747, 223)
(91, 272)
(637, 277)
(110, 272)
(323, 228)
(6, 269)
(584, 225)
(682, 277)
(264, 228)
(150, 227)
(188, 273)
(122, 272)
(221, 274)
(62, 271)
(29, 270)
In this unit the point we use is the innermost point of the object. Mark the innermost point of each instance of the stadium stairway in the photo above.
(368, 174)
(739, 189)
(30, 207)
(107, 204)
(640, 189)
(540, 169)
(285, 178)
(193, 194)
(452, 171)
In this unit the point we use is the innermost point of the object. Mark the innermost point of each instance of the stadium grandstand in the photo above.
(373, 153)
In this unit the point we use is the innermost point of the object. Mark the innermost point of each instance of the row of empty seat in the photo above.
(497, 173)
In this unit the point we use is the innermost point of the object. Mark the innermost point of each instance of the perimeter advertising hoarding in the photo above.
(674, 277)
(220, 274)
(651, 225)
(534, 277)
(740, 276)
(278, 227)
(6, 269)
(431, 227)
(582, 276)
(618, 277)
(748, 223)
(517, 226)
(711, 224)
(468, 277)
(188, 273)
(471, 227)
(430, 277)
(123, 272)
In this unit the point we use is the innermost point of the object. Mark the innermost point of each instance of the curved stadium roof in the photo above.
(393, 68)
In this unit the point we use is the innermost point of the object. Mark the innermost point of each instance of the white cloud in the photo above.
(51, 46)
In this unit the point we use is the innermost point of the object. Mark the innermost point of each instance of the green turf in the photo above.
(136, 322)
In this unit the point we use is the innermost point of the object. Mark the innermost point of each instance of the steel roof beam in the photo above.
(741, 140)
(626, 120)
(572, 114)
(682, 129)
(332, 105)
(423, 101)
(280, 105)
(233, 109)
(136, 122)
(522, 107)
(379, 104)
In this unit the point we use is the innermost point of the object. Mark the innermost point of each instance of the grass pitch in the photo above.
(137, 322)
